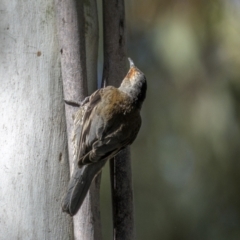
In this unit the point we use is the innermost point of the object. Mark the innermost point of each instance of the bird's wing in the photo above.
(83, 132)
(124, 133)
(105, 127)
(81, 177)
(115, 135)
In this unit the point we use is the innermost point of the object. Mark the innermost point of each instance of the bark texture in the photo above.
(113, 73)
(33, 144)
(72, 30)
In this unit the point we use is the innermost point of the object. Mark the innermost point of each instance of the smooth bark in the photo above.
(33, 144)
(113, 73)
(72, 29)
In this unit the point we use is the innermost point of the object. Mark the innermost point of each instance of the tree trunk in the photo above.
(75, 22)
(33, 144)
(114, 71)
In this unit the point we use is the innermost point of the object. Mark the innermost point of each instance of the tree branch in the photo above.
(71, 32)
(113, 73)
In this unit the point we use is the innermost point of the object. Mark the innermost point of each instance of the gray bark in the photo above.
(113, 73)
(92, 37)
(33, 146)
(72, 29)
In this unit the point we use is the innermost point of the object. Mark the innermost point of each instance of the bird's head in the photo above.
(134, 84)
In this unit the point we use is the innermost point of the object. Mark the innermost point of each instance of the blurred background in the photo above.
(186, 159)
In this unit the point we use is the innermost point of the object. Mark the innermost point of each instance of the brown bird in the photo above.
(106, 122)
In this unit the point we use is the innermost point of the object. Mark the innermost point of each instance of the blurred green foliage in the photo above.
(186, 159)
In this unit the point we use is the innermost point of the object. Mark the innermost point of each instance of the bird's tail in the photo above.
(78, 186)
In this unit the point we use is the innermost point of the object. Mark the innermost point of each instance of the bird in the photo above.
(106, 122)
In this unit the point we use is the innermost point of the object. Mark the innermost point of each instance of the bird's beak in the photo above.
(131, 62)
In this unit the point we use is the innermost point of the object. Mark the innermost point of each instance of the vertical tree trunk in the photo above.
(92, 38)
(113, 73)
(72, 28)
(33, 147)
